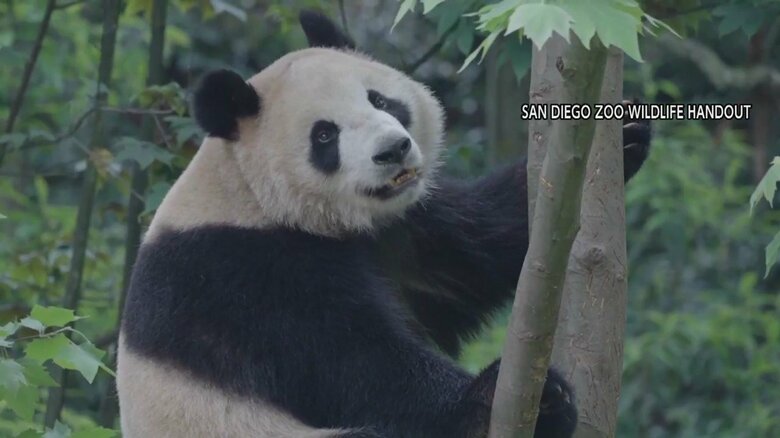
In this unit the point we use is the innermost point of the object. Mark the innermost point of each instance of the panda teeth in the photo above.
(404, 176)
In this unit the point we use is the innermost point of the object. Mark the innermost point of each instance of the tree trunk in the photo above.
(545, 88)
(529, 342)
(589, 341)
(111, 10)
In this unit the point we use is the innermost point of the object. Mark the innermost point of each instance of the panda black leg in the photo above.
(636, 143)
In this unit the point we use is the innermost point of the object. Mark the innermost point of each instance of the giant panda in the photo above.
(264, 302)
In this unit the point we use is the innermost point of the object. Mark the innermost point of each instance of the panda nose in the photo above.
(394, 152)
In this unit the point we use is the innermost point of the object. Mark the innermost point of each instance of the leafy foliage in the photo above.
(22, 377)
(615, 22)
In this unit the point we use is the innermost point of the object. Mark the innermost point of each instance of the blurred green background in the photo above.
(702, 354)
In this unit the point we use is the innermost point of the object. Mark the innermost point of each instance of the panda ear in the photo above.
(221, 99)
(322, 32)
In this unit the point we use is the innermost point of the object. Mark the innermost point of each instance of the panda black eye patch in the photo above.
(394, 107)
(324, 148)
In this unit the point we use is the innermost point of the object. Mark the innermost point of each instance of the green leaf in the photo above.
(406, 7)
(59, 431)
(15, 140)
(30, 433)
(539, 21)
(43, 349)
(428, 5)
(482, 49)
(11, 375)
(8, 329)
(464, 38)
(142, 152)
(84, 358)
(93, 432)
(22, 401)
(618, 28)
(32, 323)
(767, 187)
(36, 374)
(53, 316)
(155, 195)
(223, 6)
(772, 253)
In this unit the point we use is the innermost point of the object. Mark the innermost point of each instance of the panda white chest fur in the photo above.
(295, 277)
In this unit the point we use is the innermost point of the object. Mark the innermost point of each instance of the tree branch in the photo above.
(720, 74)
(68, 4)
(27, 74)
(411, 68)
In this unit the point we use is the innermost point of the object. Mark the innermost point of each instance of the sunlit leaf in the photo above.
(83, 358)
(11, 374)
(36, 374)
(59, 430)
(93, 432)
(155, 195)
(22, 401)
(143, 152)
(223, 6)
(406, 7)
(767, 187)
(53, 316)
(33, 324)
(539, 21)
(29, 433)
(772, 253)
(481, 50)
(428, 5)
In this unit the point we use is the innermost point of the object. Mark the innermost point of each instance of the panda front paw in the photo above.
(636, 142)
(557, 409)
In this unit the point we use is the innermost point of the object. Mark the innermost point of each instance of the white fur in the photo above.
(266, 179)
(158, 401)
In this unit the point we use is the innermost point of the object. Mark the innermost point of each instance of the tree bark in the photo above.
(589, 340)
(529, 342)
(545, 88)
(111, 10)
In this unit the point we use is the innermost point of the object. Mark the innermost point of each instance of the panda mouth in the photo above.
(397, 184)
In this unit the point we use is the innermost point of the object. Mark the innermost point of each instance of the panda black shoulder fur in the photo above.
(264, 302)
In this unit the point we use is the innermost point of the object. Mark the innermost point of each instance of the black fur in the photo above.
(394, 107)
(457, 255)
(324, 156)
(307, 323)
(636, 144)
(221, 99)
(322, 32)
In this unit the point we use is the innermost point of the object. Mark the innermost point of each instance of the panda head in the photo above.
(328, 140)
